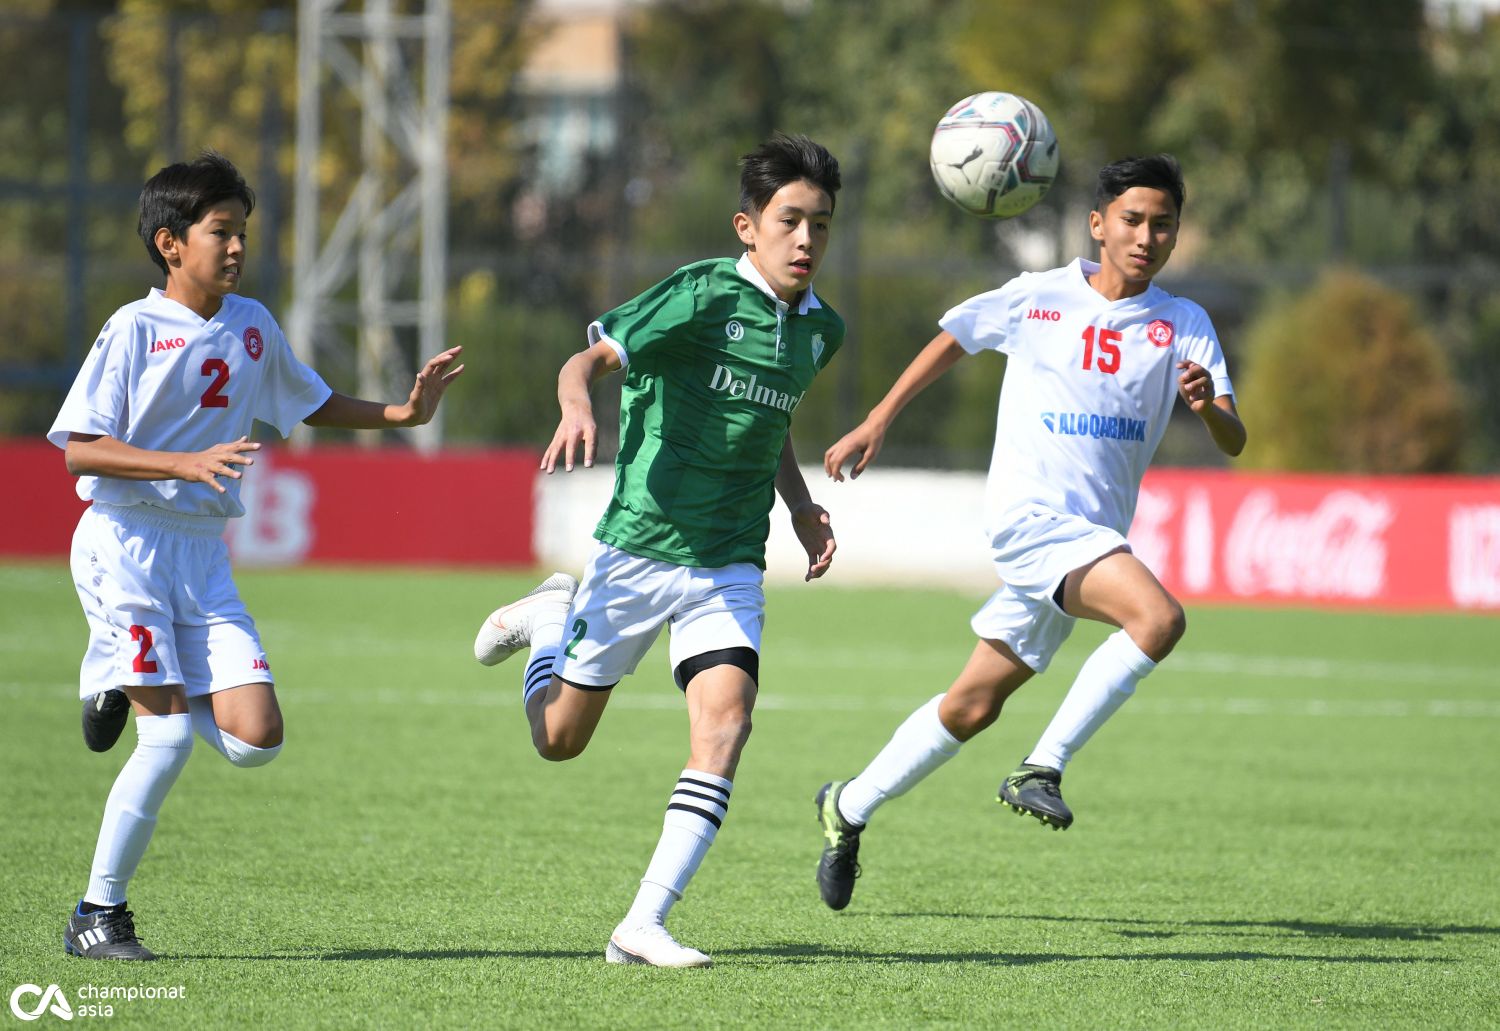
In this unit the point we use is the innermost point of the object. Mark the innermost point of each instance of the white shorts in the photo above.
(1035, 547)
(161, 605)
(624, 600)
(1033, 552)
(1033, 628)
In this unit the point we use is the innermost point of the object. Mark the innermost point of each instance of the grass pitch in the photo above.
(1293, 824)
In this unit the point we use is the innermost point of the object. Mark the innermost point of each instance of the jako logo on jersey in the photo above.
(254, 345)
(1161, 332)
(260, 664)
(52, 997)
(167, 345)
(1045, 314)
(724, 382)
(733, 330)
(1082, 424)
(817, 347)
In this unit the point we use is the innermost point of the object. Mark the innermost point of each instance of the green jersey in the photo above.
(715, 365)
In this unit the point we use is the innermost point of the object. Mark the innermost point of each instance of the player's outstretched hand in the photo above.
(815, 531)
(1195, 385)
(432, 381)
(574, 430)
(860, 444)
(219, 460)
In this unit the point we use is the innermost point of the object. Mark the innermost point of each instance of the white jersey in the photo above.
(162, 378)
(1089, 386)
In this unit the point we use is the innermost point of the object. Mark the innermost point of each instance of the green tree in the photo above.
(1275, 107)
(1345, 377)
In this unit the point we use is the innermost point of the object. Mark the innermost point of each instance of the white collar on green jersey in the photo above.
(747, 269)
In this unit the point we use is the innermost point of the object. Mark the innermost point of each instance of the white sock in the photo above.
(919, 746)
(1104, 683)
(239, 752)
(163, 744)
(546, 642)
(694, 813)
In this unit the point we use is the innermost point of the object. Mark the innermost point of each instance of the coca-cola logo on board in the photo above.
(1336, 549)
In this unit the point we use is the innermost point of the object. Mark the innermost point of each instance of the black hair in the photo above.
(178, 195)
(785, 159)
(1159, 171)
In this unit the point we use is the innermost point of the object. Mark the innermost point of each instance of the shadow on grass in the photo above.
(1133, 927)
(806, 953)
(798, 953)
(358, 955)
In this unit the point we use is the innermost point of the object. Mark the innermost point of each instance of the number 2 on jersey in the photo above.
(218, 368)
(1109, 350)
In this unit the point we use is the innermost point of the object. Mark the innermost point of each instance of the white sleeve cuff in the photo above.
(597, 335)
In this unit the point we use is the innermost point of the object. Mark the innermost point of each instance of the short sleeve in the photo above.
(831, 340)
(98, 401)
(647, 323)
(987, 321)
(1199, 343)
(292, 391)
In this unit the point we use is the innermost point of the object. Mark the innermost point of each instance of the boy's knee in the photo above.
(559, 748)
(726, 734)
(735, 727)
(268, 735)
(258, 730)
(1171, 624)
(966, 714)
(1159, 634)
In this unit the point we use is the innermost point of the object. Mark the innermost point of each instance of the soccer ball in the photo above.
(994, 154)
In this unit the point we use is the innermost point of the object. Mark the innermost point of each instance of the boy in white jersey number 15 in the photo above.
(156, 427)
(1096, 355)
(716, 358)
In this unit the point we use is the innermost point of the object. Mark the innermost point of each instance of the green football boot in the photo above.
(1037, 790)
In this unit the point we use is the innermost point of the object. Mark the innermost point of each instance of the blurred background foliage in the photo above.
(1350, 135)
(1343, 376)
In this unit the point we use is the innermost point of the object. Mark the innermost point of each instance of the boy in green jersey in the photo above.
(717, 357)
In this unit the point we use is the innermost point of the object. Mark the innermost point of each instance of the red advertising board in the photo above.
(1383, 542)
(326, 504)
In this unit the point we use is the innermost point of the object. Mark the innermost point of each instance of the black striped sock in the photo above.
(703, 795)
(538, 673)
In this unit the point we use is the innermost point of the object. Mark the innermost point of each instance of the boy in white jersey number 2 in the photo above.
(717, 357)
(156, 427)
(1096, 356)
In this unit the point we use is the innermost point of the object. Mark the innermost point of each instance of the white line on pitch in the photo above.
(647, 696)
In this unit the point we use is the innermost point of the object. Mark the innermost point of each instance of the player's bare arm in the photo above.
(353, 413)
(91, 455)
(1218, 413)
(864, 442)
(576, 429)
(810, 520)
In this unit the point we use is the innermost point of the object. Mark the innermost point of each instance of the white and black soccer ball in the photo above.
(994, 154)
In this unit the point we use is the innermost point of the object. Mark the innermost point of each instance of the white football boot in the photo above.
(651, 945)
(508, 629)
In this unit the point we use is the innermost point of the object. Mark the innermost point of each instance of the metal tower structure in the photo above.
(377, 273)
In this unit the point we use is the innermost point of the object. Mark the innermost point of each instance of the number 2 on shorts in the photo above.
(143, 635)
(580, 627)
